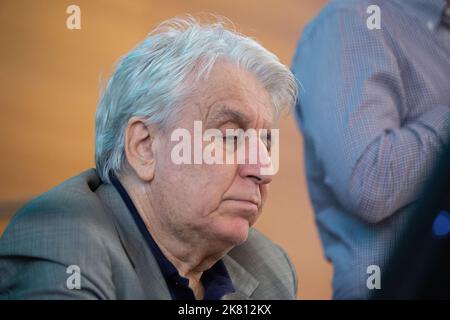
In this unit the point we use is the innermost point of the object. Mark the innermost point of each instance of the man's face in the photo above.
(215, 202)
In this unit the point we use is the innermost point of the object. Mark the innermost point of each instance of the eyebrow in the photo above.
(226, 114)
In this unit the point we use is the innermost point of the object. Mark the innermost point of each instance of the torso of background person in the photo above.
(348, 74)
(85, 223)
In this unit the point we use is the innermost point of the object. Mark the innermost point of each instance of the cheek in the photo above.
(216, 180)
(197, 187)
(209, 184)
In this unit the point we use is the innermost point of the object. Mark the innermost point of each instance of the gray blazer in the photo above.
(84, 222)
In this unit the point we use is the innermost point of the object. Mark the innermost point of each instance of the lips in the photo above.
(249, 201)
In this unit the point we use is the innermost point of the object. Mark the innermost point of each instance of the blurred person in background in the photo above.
(374, 113)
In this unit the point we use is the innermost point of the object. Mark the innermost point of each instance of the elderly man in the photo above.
(141, 226)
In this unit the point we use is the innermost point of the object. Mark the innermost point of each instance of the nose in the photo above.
(258, 171)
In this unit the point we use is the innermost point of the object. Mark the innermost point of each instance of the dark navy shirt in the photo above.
(216, 281)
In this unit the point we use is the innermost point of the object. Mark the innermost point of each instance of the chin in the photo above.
(235, 232)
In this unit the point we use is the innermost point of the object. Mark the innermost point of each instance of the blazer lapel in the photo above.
(244, 282)
(140, 255)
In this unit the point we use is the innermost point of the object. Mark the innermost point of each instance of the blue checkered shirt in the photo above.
(374, 113)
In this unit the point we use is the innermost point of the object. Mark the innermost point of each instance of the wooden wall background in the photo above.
(49, 86)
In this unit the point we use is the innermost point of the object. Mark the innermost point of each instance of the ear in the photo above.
(140, 148)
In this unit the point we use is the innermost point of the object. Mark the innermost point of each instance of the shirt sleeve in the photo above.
(352, 107)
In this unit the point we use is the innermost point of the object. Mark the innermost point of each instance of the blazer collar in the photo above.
(244, 282)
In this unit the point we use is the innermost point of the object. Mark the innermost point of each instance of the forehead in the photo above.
(230, 92)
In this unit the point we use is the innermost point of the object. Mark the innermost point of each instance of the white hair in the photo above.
(150, 81)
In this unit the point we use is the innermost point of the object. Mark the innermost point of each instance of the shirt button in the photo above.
(430, 25)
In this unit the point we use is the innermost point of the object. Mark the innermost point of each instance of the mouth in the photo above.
(246, 205)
